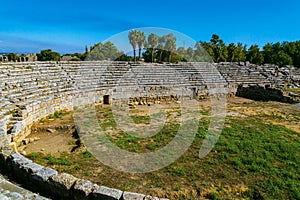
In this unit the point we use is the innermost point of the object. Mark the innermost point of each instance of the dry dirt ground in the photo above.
(57, 137)
(51, 136)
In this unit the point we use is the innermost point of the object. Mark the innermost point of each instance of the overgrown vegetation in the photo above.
(57, 114)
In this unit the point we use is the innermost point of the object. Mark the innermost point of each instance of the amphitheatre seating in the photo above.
(31, 91)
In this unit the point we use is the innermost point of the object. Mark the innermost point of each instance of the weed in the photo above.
(29, 67)
(33, 156)
(87, 154)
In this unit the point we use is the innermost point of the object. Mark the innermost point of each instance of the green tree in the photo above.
(254, 55)
(124, 57)
(216, 48)
(279, 54)
(219, 49)
(181, 51)
(152, 42)
(106, 51)
(232, 49)
(12, 57)
(283, 59)
(240, 53)
(204, 52)
(293, 50)
(48, 55)
(190, 54)
(268, 53)
(296, 55)
(141, 41)
(162, 46)
(170, 46)
(133, 39)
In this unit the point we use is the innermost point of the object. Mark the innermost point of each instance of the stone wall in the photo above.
(31, 91)
(265, 93)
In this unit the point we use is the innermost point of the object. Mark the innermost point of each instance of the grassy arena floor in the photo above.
(257, 155)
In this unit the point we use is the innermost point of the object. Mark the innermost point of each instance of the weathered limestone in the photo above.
(83, 188)
(105, 193)
(33, 90)
(133, 196)
(264, 93)
(10, 191)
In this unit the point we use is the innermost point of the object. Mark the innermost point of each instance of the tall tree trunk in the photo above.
(160, 56)
(134, 55)
(152, 55)
(233, 57)
(170, 57)
(140, 51)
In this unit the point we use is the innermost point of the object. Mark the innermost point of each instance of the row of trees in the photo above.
(154, 48)
(104, 51)
(163, 49)
(281, 54)
(163, 46)
(48, 55)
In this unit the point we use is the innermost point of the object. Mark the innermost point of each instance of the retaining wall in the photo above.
(31, 91)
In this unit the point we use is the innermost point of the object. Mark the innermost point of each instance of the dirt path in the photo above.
(51, 136)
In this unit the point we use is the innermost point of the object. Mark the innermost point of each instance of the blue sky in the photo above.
(67, 26)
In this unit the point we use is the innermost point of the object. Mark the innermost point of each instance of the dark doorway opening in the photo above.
(106, 99)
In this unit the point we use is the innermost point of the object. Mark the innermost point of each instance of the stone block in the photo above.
(63, 180)
(44, 174)
(133, 196)
(105, 193)
(31, 168)
(82, 189)
(151, 198)
(61, 184)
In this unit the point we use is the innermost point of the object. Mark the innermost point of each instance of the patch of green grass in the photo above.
(213, 196)
(294, 90)
(269, 151)
(262, 156)
(29, 67)
(57, 114)
(33, 156)
(141, 119)
(177, 170)
(52, 160)
(178, 187)
(87, 154)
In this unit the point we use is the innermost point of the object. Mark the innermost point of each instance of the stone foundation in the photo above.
(32, 91)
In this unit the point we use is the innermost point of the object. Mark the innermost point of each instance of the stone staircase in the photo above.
(31, 91)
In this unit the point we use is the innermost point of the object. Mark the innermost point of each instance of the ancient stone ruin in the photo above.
(32, 91)
(31, 57)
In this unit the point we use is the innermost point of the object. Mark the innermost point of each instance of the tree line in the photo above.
(281, 54)
(162, 49)
(154, 48)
